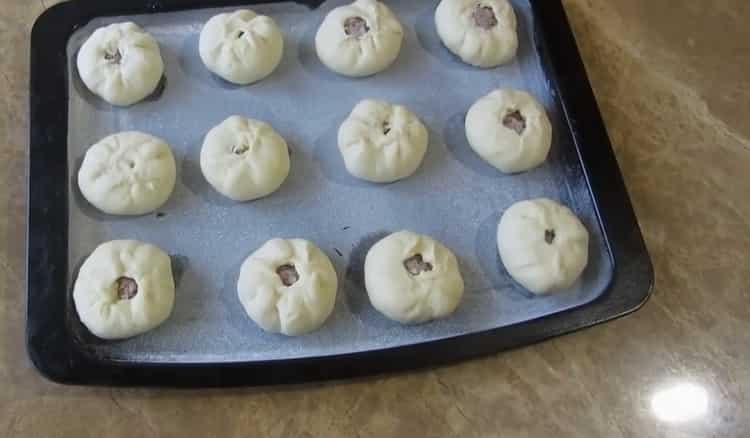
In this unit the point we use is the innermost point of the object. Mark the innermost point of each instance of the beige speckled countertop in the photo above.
(672, 79)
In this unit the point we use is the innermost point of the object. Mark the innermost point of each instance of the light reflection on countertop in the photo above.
(680, 402)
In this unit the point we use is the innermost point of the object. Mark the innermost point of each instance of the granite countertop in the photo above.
(672, 82)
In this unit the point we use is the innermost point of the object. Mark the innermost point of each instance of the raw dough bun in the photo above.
(245, 159)
(130, 173)
(543, 245)
(412, 278)
(288, 287)
(354, 53)
(381, 142)
(482, 33)
(121, 63)
(510, 130)
(242, 47)
(104, 296)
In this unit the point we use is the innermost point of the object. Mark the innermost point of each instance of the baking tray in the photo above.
(455, 197)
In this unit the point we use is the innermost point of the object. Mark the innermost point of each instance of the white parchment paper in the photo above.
(454, 197)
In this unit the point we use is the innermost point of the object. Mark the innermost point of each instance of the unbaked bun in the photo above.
(359, 39)
(412, 278)
(121, 63)
(481, 33)
(288, 287)
(124, 288)
(129, 173)
(381, 142)
(244, 159)
(510, 130)
(241, 47)
(543, 245)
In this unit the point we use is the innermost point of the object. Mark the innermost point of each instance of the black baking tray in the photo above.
(50, 342)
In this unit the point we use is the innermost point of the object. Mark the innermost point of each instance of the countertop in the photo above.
(672, 82)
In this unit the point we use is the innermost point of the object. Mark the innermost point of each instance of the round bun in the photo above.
(244, 159)
(381, 142)
(242, 47)
(510, 130)
(130, 173)
(359, 39)
(121, 63)
(482, 34)
(124, 288)
(412, 278)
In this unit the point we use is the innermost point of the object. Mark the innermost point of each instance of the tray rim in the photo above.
(54, 352)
